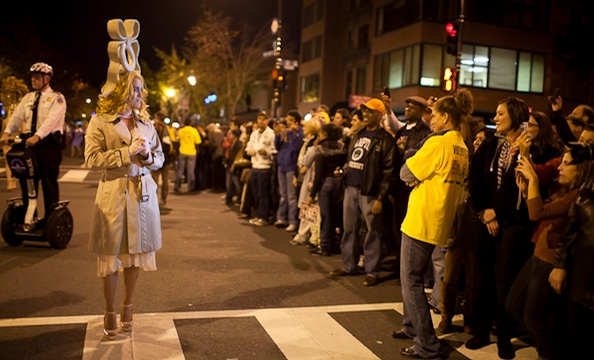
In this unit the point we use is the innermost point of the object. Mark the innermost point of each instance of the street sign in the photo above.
(290, 64)
(356, 100)
(267, 54)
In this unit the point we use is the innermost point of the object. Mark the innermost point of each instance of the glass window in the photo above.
(363, 38)
(349, 84)
(310, 88)
(537, 74)
(502, 73)
(431, 65)
(361, 78)
(396, 73)
(524, 73)
(313, 13)
(312, 49)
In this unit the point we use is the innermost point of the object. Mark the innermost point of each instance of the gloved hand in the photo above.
(137, 146)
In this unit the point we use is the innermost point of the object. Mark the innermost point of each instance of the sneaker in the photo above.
(320, 252)
(224, 197)
(281, 223)
(260, 222)
(291, 228)
(253, 220)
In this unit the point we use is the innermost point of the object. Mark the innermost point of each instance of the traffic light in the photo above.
(279, 79)
(448, 80)
(452, 30)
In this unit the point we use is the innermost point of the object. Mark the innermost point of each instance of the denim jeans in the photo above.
(187, 163)
(415, 258)
(232, 185)
(287, 207)
(260, 181)
(531, 299)
(328, 198)
(437, 266)
(357, 205)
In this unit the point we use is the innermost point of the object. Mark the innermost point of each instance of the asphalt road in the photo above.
(223, 290)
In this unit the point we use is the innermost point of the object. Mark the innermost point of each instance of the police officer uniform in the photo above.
(51, 108)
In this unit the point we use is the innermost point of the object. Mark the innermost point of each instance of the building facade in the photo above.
(524, 48)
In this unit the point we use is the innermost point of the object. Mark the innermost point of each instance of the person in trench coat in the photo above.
(122, 143)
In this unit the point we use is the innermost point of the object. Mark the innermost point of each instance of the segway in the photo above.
(20, 223)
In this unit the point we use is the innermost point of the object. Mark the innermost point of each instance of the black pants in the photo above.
(48, 153)
(512, 248)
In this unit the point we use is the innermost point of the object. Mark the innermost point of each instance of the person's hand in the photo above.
(526, 169)
(309, 200)
(251, 153)
(338, 172)
(413, 183)
(294, 181)
(146, 150)
(303, 170)
(32, 140)
(493, 227)
(377, 207)
(136, 147)
(387, 103)
(523, 142)
(557, 279)
(556, 104)
(4, 139)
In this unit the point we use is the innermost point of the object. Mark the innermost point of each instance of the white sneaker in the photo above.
(280, 223)
(253, 220)
(291, 228)
(260, 222)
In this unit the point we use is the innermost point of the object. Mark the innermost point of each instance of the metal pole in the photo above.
(459, 54)
(278, 63)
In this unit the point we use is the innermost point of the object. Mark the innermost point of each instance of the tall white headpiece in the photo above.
(123, 51)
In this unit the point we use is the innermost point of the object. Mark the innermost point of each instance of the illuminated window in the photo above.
(310, 88)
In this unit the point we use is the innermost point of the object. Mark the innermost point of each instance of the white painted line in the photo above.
(337, 341)
(295, 341)
(96, 348)
(157, 340)
(74, 176)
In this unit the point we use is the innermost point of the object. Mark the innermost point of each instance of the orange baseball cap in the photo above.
(375, 104)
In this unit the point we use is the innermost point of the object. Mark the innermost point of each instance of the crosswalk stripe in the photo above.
(300, 333)
(74, 176)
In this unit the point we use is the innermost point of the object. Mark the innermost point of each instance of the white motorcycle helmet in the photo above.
(41, 68)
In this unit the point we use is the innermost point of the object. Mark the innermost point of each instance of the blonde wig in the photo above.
(117, 101)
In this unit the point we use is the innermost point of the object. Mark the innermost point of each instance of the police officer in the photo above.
(42, 113)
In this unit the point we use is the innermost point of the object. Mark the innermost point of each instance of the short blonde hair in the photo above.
(117, 101)
(311, 127)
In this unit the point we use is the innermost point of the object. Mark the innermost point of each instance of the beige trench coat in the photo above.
(127, 194)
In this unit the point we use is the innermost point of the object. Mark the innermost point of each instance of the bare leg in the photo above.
(109, 321)
(130, 277)
(110, 283)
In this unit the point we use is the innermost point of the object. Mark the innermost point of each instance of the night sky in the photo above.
(76, 29)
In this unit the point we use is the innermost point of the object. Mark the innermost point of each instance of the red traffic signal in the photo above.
(452, 29)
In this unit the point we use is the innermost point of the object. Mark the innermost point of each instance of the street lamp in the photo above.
(192, 80)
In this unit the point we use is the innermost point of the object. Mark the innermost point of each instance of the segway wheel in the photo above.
(12, 218)
(58, 228)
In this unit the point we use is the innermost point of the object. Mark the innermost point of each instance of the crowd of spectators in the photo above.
(366, 185)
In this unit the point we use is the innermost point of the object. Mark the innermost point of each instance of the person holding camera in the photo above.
(42, 111)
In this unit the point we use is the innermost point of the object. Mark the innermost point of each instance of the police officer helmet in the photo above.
(41, 68)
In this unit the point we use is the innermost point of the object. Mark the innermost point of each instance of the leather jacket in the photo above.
(378, 170)
(575, 249)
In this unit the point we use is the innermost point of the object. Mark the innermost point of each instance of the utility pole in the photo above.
(459, 54)
(278, 63)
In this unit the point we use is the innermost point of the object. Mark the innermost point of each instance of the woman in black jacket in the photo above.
(499, 205)
(574, 265)
(330, 155)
